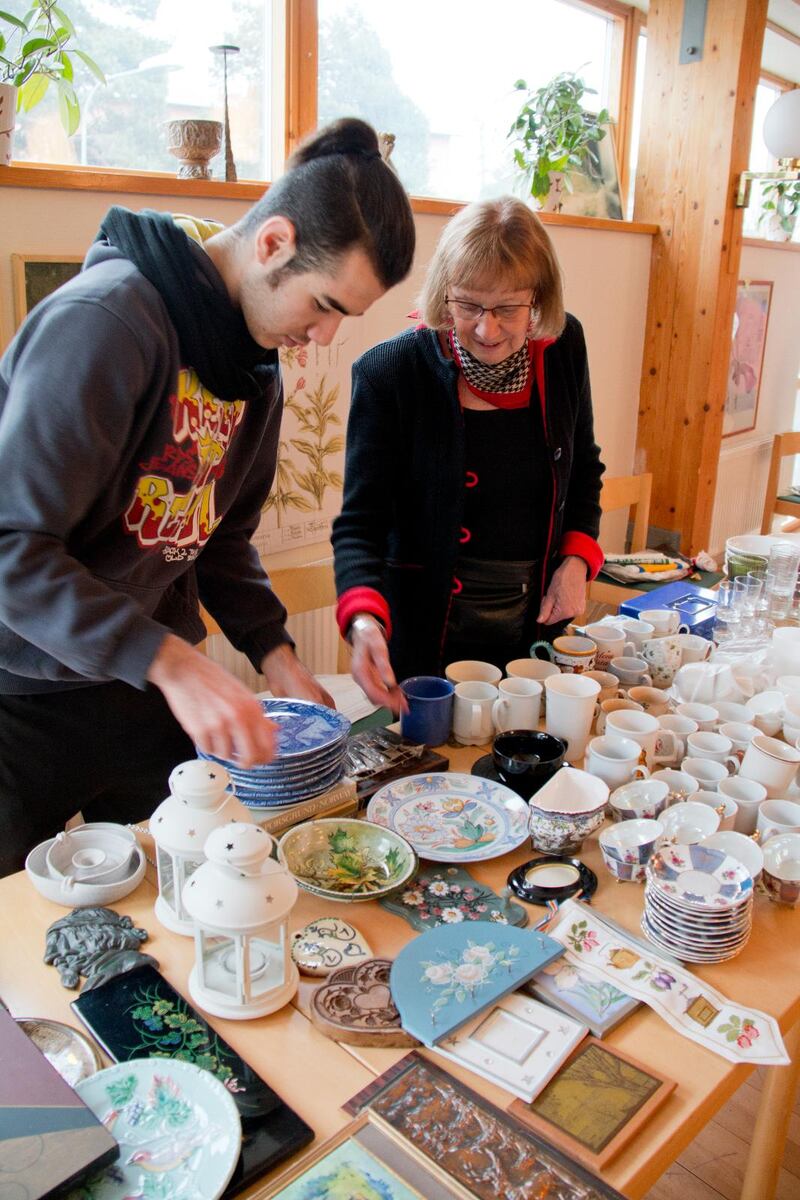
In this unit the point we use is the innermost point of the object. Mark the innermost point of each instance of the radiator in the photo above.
(741, 487)
(317, 639)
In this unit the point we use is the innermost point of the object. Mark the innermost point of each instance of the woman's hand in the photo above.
(566, 596)
(370, 666)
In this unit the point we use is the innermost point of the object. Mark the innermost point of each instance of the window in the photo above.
(441, 78)
(760, 157)
(158, 65)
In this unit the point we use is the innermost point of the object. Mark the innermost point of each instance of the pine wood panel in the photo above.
(697, 121)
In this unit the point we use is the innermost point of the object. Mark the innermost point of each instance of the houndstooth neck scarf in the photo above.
(505, 384)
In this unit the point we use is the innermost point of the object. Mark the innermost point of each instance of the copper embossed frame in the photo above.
(595, 1103)
(485, 1149)
(365, 1159)
(36, 276)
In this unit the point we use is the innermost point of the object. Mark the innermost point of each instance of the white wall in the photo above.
(606, 277)
(781, 368)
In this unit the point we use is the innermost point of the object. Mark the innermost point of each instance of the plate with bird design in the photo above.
(177, 1126)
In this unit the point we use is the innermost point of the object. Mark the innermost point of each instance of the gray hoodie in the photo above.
(125, 489)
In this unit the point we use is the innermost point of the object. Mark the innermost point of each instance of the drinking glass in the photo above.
(726, 618)
(746, 594)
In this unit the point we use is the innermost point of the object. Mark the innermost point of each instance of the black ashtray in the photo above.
(525, 759)
(552, 878)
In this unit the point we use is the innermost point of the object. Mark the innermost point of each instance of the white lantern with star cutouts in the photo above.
(240, 900)
(199, 802)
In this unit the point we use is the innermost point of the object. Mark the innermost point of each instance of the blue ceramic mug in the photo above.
(430, 709)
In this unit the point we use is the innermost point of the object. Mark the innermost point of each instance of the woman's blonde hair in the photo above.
(490, 243)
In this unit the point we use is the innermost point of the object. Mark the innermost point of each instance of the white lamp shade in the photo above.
(782, 126)
(198, 803)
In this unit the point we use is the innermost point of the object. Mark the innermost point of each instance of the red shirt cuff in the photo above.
(584, 547)
(362, 600)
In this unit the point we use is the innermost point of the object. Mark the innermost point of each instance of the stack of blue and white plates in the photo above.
(311, 742)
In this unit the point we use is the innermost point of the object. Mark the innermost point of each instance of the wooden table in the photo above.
(316, 1076)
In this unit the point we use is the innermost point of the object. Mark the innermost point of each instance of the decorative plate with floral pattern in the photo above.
(699, 877)
(452, 817)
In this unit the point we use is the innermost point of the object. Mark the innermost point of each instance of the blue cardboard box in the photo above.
(696, 605)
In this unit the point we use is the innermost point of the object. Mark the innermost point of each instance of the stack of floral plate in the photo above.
(698, 903)
(309, 758)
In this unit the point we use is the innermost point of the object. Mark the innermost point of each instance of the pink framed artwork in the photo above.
(753, 299)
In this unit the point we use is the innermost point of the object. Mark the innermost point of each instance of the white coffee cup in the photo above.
(571, 700)
(714, 746)
(663, 620)
(518, 706)
(472, 713)
(729, 710)
(776, 817)
(659, 745)
(531, 668)
(606, 707)
(610, 642)
(741, 736)
(470, 670)
(636, 631)
(708, 773)
(748, 795)
(630, 670)
(609, 685)
(725, 808)
(704, 715)
(652, 699)
(689, 823)
(772, 763)
(615, 760)
(681, 727)
(766, 711)
(693, 647)
(681, 785)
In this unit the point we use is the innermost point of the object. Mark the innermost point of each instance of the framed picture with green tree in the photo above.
(35, 276)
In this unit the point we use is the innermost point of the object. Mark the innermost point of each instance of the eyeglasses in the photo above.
(473, 312)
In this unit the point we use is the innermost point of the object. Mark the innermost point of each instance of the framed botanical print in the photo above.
(596, 1103)
(753, 298)
(35, 276)
(367, 1159)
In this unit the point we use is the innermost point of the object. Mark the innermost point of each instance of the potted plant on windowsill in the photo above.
(555, 135)
(34, 54)
(780, 205)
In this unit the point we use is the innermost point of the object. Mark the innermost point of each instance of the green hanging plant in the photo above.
(33, 54)
(780, 198)
(554, 132)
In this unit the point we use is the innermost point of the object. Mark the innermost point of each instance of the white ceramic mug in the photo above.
(681, 727)
(571, 700)
(681, 785)
(748, 795)
(637, 632)
(570, 654)
(663, 620)
(615, 760)
(693, 647)
(610, 641)
(615, 705)
(740, 736)
(714, 746)
(776, 817)
(766, 711)
(609, 685)
(472, 713)
(518, 706)
(772, 763)
(705, 716)
(470, 670)
(532, 668)
(729, 710)
(663, 657)
(708, 773)
(652, 699)
(658, 745)
(724, 806)
(630, 670)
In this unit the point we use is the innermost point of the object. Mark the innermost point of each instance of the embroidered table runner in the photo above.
(685, 1002)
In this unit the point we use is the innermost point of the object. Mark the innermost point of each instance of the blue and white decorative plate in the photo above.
(699, 877)
(304, 727)
(452, 817)
(177, 1126)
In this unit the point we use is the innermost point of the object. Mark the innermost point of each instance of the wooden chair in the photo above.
(301, 589)
(631, 492)
(775, 503)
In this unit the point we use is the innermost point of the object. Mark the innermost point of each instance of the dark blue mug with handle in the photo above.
(430, 709)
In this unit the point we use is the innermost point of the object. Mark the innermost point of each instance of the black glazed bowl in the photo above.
(526, 758)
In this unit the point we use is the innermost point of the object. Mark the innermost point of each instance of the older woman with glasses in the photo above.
(472, 479)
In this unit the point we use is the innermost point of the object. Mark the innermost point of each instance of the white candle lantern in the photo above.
(199, 802)
(240, 900)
